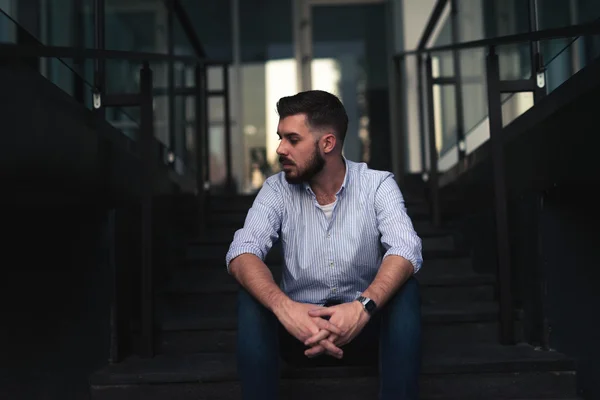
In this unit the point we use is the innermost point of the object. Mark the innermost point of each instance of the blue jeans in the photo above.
(395, 329)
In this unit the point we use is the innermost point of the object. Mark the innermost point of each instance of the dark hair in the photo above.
(322, 109)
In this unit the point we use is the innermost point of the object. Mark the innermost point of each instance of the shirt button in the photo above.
(334, 290)
(329, 235)
(331, 264)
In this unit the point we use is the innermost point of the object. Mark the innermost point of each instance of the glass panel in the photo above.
(563, 58)
(502, 17)
(125, 119)
(212, 23)
(515, 61)
(51, 22)
(554, 13)
(181, 42)
(161, 120)
(185, 115)
(259, 118)
(123, 76)
(216, 144)
(515, 104)
(189, 131)
(470, 20)
(215, 77)
(136, 25)
(8, 29)
(445, 117)
(184, 75)
(583, 11)
(474, 87)
(442, 64)
(444, 36)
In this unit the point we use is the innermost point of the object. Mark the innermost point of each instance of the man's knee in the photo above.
(257, 326)
(406, 303)
(250, 311)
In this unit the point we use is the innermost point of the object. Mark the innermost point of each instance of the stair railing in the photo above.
(150, 151)
(495, 88)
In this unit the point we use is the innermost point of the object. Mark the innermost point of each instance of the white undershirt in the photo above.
(328, 210)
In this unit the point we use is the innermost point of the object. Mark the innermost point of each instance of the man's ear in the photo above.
(328, 142)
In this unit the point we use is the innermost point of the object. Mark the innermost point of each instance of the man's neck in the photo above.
(329, 181)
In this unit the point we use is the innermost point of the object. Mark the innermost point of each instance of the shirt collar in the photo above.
(344, 182)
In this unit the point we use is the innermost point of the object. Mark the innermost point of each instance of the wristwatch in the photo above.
(368, 304)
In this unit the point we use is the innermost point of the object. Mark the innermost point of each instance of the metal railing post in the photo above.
(421, 113)
(433, 156)
(538, 75)
(149, 160)
(99, 63)
(501, 207)
(227, 122)
(202, 153)
(460, 126)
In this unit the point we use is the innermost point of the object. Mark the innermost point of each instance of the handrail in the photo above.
(187, 26)
(19, 50)
(496, 86)
(589, 28)
(146, 143)
(431, 23)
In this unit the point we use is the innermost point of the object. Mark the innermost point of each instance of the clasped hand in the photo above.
(306, 323)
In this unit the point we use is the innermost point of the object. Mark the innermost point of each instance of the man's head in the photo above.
(312, 127)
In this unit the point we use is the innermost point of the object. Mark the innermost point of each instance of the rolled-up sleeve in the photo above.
(398, 236)
(261, 227)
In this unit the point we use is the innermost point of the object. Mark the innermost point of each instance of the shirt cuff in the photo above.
(239, 250)
(415, 260)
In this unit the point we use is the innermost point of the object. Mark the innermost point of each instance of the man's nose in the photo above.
(281, 149)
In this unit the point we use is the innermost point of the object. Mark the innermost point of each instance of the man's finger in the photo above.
(322, 312)
(332, 349)
(314, 351)
(316, 338)
(324, 324)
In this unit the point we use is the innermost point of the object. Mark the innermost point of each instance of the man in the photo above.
(333, 217)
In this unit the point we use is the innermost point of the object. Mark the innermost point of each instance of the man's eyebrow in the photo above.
(288, 134)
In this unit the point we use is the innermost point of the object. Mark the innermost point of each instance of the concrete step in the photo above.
(224, 340)
(438, 275)
(490, 387)
(181, 314)
(215, 273)
(481, 372)
(434, 290)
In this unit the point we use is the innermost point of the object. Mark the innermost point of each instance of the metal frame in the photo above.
(495, 87)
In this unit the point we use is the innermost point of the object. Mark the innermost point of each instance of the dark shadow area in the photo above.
(56, 301)
(551, 174)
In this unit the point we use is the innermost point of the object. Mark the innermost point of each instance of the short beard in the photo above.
(314, 166)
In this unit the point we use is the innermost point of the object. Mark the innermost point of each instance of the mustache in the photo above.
(283, 160)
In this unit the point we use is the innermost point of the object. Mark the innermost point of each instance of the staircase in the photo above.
(196, 333)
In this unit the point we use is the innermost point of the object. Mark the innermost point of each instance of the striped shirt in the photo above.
(330, 259)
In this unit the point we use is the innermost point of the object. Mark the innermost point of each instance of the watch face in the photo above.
(370, 306)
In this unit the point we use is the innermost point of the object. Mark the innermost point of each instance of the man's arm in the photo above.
(252, 243)
(394, 271)
(252, 273)
(245, 263)
(403, 256)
